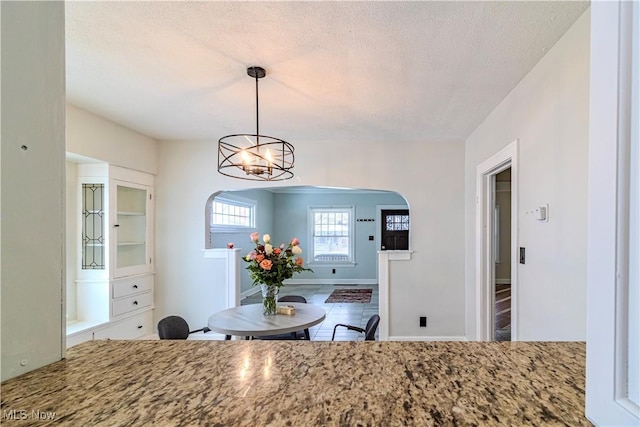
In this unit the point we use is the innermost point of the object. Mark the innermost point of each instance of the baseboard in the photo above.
(431, 338)
(503, 281)
(249, 292)
(331, 282)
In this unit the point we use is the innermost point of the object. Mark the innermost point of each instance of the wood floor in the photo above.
(503, 313)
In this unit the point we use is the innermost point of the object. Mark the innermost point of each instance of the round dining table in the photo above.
(248, 320)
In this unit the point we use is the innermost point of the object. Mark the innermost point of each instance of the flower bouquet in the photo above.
(269, 267)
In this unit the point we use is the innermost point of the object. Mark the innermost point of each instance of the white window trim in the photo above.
(233, 200)
(352, 229)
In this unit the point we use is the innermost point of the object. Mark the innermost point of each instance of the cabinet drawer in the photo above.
(127, 329)
(128, 304)
(131, 286)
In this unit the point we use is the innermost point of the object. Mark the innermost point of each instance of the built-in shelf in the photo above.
(76, 326)
(131, 243)
(114, 285)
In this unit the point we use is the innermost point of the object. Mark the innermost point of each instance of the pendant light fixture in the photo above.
(255, 157)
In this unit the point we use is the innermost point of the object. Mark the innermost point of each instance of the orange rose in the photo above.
(277, 251)
(259, 258)
(266, 264)
(299, 262)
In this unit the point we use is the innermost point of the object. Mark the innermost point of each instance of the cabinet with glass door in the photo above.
(130, 230)
(114, 283)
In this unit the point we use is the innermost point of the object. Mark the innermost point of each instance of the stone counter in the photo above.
(281, 383)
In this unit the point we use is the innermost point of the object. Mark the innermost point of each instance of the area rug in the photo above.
(350, 295)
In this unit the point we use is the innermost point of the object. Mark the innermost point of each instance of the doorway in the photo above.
(502, 256)
(394, 229)
(496, 246)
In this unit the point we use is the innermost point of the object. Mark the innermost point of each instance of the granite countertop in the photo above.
(297, 383)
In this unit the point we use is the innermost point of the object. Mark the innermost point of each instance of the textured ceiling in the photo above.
(345, 71)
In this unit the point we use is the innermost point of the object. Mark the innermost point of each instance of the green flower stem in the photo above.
(269, 295)
(269, 305)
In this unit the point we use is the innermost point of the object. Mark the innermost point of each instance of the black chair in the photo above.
(298, 335)
(176, 328)
(369, 332)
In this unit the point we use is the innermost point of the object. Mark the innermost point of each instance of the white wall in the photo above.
(613, 358)
(429, 175)
(33, 187)
(72, 240)
(549, 113)
(94, 136)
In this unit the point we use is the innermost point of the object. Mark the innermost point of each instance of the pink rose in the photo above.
(266, 264)
(254, 236)
(277, 251)
(299, 262)
(260, 258)
(295, 241)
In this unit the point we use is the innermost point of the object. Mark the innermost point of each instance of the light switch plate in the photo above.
(542, 213)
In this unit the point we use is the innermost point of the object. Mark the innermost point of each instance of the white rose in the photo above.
(266, 238)
(296, 250)
(268, 249)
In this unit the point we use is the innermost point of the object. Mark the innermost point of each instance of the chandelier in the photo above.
(255, 157)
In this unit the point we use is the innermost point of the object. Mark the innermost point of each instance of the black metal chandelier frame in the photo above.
(266, 159)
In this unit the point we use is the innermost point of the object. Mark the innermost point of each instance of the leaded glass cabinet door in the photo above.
(131, 229)
(93, 227)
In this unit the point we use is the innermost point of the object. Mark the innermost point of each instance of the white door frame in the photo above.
(485, 268)
(612, 277)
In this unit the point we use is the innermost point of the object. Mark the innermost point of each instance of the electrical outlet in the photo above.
(423, 321)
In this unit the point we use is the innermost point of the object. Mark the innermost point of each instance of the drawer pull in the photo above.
(135, 303)
(139, 326)
(135, 286)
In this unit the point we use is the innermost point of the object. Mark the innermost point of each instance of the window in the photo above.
(331, 235)
(228, 214)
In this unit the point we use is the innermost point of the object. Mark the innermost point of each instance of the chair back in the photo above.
(370, 330)
(292, 298)
(173, 328)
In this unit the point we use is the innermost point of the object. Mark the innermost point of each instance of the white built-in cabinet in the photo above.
(114, 275)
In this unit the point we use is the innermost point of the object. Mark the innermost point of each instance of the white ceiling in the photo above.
(347, 71)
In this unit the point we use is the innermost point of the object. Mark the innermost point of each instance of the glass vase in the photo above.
(269, 298)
